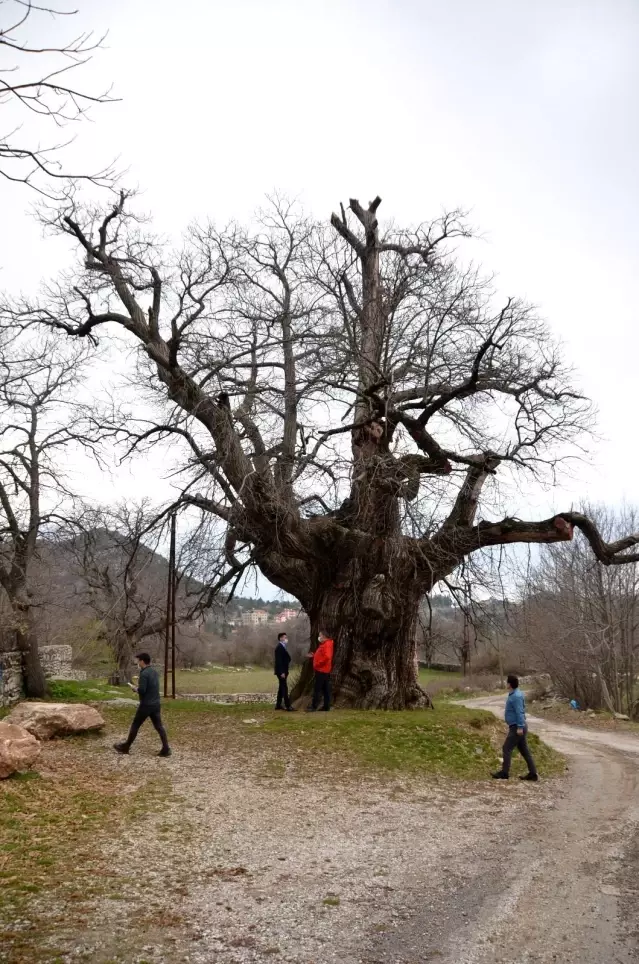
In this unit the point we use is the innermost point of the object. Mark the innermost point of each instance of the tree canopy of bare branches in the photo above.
(40, 420)
(38, 84)
(347, 398)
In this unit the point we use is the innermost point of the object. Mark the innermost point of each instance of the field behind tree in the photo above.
(256, 679)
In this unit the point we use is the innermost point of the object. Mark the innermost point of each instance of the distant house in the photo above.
(286, 615)
(255, 617)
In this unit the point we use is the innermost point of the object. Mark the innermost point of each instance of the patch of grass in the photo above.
(52, 833)
(85, 691)
(428, 676)
(449, 741)
(458, 687)
(226, 680)
(261, 680)
(331, 902)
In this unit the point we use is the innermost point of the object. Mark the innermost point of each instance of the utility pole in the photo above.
(169, 633)
(466, 644)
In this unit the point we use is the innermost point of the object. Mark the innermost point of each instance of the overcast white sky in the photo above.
(526, 114)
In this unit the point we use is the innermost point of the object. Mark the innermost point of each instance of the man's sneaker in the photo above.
(120, 748)
(499, 776)
(290, 709)
(166, 752)
(530, 776)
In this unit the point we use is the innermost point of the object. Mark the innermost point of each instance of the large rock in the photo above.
(48, 720)
(18, 749)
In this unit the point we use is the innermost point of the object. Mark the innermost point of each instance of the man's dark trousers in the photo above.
(147, 713)
(322, 689)
(515, 741)
(282, 694)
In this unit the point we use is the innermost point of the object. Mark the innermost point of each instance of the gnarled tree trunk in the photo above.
(122, 650)
(374, 629)
(34, 681)
(375, 666)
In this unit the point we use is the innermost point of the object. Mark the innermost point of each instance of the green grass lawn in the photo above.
(260, 680)
(450, 740)
(227, 680)
(242, 680)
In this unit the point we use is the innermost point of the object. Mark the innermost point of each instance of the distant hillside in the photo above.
(69, 577)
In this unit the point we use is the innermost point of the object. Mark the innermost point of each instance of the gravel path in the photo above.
(245, 866)
(570, 889)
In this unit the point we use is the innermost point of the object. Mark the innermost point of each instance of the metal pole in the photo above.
(173, 577)
(166, 631)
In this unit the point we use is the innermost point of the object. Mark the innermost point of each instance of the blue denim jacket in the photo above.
(515, 714)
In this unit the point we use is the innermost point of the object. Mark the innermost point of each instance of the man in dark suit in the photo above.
(282, 663)
(148, 689)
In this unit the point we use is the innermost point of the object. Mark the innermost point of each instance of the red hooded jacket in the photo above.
(323, 657)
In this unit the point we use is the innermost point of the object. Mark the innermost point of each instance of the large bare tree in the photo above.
(38, 90)
(348, 397)
(41, 422)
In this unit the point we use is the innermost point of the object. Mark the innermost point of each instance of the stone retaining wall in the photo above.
(227, 698)
(56, 664)
(10, 678)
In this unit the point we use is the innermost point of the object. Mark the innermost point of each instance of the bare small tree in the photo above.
(37, 82)
(580, 621)
(348, 398)
(122, 577)
(41, 421)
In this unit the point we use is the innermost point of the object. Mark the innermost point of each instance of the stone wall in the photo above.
(441, 667)
(56, 664)
(10, 678)
(228, 697)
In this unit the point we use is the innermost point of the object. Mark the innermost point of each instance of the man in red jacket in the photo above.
(322, 665)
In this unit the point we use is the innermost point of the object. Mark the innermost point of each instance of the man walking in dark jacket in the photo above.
(515, 716)
(282, 663)
(148, 689)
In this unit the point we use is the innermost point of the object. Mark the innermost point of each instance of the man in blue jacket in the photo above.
(515, 717)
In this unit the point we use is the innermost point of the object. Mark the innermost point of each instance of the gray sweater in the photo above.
(149, 687)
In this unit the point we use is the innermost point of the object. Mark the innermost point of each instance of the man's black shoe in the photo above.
(500, 775)
(279, 707)
(290, 709)
(166, 752)
(325, 709)
(120, 748)
(530, 776)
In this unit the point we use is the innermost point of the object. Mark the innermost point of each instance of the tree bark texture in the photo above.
(34, 680)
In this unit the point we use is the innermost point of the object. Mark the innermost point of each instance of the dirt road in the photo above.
(570, 889)
(249, 865)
